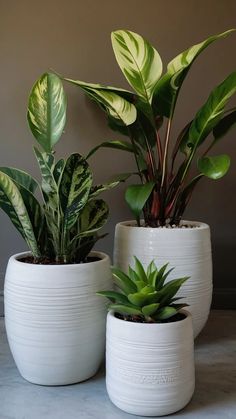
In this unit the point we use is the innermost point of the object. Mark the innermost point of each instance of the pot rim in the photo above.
(94, 253)
(131, 224)
(111, 314)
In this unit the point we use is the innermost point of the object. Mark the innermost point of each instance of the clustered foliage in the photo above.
(146, 115)
(64, 227)
(145, 296)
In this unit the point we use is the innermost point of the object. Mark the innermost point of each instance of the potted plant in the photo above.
(165, 182)
(149, 350)
(54, 321)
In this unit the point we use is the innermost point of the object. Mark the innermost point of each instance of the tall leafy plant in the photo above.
(165, 185)
(64, 226)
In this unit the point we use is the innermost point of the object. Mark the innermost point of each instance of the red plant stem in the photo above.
(159, 148)
(165, 162)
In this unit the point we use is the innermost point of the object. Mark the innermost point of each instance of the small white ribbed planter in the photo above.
(186, 249)
(55, 323)
(150, 367)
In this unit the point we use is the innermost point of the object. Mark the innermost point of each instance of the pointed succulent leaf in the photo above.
(76, 181)
(139, 269)
(214, 167)
(140, 284)
(165, 313)
(209, 115)
(20, 177)
(151, 268)
(12, 203)
(123, 281)
(168, 87)
(93, 217)
(171, 288)
(150, 309)
(138, 299)
(47, 110)
(126, 309)
(114, 296)
(136, 197)
(138, 60)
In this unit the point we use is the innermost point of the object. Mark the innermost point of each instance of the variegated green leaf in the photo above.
(93, 217)
(47, 110)
(58, 170)
(76, 181)
(21, 177)
(12, 203)
(168, 87)
(139, 61)
(49, 185)
(111, 100)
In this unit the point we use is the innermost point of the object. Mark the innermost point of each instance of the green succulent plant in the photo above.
(145, 294)
(145, 116)
(64, 226)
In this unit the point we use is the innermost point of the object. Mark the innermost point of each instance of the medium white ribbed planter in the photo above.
(150, 367)
(55, 323)
(186, 249)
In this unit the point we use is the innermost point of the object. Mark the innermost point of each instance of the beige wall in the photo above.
(73, 37)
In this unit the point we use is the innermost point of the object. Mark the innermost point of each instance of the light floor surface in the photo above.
(215, 394)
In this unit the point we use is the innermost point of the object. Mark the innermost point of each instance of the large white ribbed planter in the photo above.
(150, 367)
(55, 323)
(186, 249)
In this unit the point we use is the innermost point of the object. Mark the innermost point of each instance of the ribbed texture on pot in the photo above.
(55, 322)
(149, 367)
(186, 249)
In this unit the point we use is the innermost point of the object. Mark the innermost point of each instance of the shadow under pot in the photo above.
(187, 248)
(55, 322)
(150, 366)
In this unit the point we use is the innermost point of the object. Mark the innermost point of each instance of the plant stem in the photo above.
(159, 148)
(165, 158)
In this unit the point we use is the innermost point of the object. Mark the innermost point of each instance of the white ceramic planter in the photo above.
(186, 249)
(150, 367)
(55, 322)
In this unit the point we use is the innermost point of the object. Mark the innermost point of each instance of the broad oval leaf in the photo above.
(136, 197)
(47, 110)
(168, 87)
(138, 60)
(112, 101)
(214, 167)
(21, 177)
(76, 181)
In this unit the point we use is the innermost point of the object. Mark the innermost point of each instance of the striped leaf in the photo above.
(112, 101)
(74, 188)
(139, 61)
(47, 110)
(49, 185)
(93, 217)
(11, 201)
(20, 177)
(168, 87)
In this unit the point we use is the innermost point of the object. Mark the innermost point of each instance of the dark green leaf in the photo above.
(123, 281)
(117, 144)
(123, 309)
(136, 197)
(114, 296)
(214, 167)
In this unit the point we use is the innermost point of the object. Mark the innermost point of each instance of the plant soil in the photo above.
(139, 319)
(169, 226)
(47, 261)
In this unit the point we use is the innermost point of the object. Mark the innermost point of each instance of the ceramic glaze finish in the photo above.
(55, 322)
(186, 249)
(149, 367)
